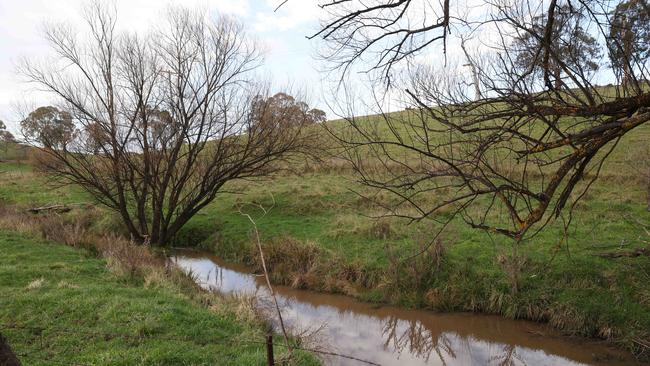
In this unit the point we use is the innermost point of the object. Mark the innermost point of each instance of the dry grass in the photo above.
(65, 284)
(512, 265)
(123, 256)
(245, 308)
(36, 284)
(303, 265)
(414, 273)
(126, 257)
(41, 160)
(381, 228)
(289, 261)
(53, 227)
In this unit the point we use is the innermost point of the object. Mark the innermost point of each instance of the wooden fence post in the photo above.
(269, 349)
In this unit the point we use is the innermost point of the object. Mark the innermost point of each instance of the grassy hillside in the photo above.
(320, 234)
(12, 151)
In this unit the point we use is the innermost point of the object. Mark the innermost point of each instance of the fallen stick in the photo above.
(57, 208)
(635, 253)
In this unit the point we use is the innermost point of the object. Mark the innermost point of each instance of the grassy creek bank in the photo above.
(569, 300)
(111, 303)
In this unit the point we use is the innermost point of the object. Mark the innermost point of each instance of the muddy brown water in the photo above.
(389, 335)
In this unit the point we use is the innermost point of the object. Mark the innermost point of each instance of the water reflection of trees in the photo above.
(508, 357)
(418, 340)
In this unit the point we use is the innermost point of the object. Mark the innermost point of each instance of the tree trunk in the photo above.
(133, 231)
(629, 81)
(475, 79)
(557, 74)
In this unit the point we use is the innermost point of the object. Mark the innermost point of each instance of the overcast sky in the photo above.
(289, 55)
(288, 58)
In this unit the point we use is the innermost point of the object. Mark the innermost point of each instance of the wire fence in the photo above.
(267, 342)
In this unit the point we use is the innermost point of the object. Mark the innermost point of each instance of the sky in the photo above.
(282, 34)
(289, 57)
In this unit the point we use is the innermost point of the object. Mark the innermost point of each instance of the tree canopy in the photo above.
(630, 37)
(49, 127)
(286, 109)
(568, 39)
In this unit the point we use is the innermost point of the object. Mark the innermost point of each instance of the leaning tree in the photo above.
(517, 156)
(161, 121)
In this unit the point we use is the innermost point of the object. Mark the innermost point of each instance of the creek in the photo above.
(390, 335)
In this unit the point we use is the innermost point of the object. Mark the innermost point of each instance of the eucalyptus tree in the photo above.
(48, 126)
(6, 137)
(570, 41)
(294, 112)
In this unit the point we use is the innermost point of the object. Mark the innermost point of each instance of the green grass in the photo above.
(60, 306)
(21, 185)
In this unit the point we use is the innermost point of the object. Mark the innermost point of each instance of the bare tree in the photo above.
(531, 146)
(162, 121)
(380, 34)
(471, 63)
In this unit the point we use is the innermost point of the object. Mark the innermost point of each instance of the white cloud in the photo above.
(292, 15)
